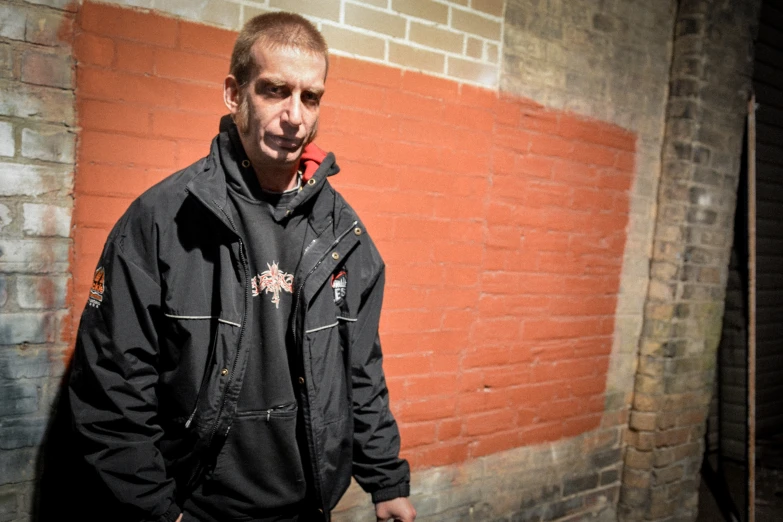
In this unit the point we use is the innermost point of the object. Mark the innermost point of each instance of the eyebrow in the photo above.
(279, 82)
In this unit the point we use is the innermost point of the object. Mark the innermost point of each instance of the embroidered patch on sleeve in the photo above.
(97, 288)
(339, 286)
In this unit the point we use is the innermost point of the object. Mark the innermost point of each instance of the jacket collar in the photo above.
(210, 188)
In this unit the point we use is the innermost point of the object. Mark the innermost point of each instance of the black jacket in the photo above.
(161, 351)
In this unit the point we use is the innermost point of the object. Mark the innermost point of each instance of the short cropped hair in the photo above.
(274, 30)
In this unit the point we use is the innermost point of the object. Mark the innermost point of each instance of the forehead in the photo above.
(290, 65)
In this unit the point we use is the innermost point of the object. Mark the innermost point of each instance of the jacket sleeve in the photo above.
(377, 466)
(112, 389)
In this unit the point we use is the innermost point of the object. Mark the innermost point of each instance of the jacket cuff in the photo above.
(390, 493)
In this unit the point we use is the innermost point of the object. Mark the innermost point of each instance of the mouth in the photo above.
(289, 144)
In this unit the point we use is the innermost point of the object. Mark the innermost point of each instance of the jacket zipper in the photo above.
(309, 428)
(317, 264)
(285, 408)
(205, 379)
(296, 311)
(241, 331)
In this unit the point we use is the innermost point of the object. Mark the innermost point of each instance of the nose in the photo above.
(293, 113)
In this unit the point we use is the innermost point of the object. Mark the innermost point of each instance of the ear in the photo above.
(231, 94)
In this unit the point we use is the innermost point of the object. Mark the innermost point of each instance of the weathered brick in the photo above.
(634, 497)
(46, 220)
(48, 69)
(49, 144)
(641, 440)
(21, 433)
(9, 505)
(220, 13)
(34, 328)
(645, 384)
(33, 180)
(3, 290)
(5, 216)
(643, 421)
(651, 367)
(672, 437)
(562, 508)
(31, 362)
(33, 255)
(7, 143)
(48, 28)
(661, 290)
(663, 457)
(637, 478)
(12, 21)
(702, 216)
(41, 292)
(36, 103)
(639, 459)
(610, 476)
(578, 484)
(17, 465)
(65, 5)
(6, 60)
(18, 397)
(647, 403)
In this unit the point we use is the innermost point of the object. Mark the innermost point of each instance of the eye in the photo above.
(311, 98)
(272, 90)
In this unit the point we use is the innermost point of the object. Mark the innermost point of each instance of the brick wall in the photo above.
(502, 223)
(606, 60)
(710, 85)
(457, 39)
(473, 341)
(36, 167)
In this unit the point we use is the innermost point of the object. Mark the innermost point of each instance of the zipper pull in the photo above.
(268, 415)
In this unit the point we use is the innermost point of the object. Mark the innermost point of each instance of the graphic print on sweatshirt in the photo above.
(273, 281)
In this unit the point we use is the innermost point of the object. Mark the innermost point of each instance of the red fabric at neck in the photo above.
(311, 159)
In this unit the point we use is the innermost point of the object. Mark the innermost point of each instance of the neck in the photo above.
(274, 180)
(271, 176)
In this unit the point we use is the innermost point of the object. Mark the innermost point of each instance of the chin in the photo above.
(280, 154)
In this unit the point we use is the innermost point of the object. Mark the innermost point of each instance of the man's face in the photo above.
(277, 111)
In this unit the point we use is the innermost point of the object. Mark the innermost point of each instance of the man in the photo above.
(227, 365)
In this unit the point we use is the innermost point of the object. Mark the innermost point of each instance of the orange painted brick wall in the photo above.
(502, 223)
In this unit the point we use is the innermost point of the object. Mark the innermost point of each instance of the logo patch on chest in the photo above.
(273, 281)
(339, 286)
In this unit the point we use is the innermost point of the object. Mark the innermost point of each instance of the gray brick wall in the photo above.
(577, 479)
(709, 88)
(37, 142)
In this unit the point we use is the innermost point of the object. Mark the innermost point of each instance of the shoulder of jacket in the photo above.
(159, 204)
(370, 255)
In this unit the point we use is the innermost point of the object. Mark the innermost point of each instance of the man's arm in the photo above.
(112, 390)
(377, 466)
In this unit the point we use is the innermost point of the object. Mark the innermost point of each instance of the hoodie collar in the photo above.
(226, 160)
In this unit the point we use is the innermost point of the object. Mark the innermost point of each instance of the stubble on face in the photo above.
(242, 118)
